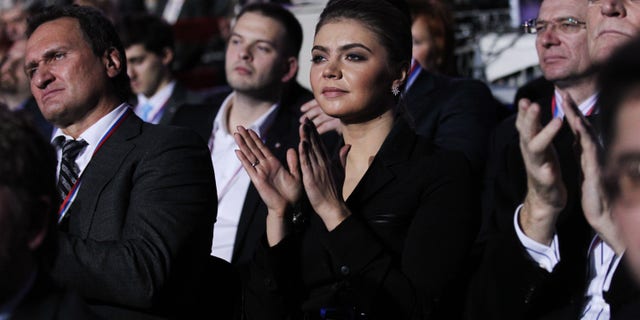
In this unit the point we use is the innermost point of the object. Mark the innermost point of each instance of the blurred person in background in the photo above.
(149, 47)
(28, 236)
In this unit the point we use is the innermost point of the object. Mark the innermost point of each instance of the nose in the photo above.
(42, 78)
(244, 52)
(131, 73)
(613, 8)
(332, 70)
(549, 37)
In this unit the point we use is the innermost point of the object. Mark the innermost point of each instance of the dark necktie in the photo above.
(68, 168)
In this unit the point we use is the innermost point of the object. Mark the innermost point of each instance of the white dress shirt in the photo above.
(158, 101)
(92, 136)
(602, 265)
(232, 181)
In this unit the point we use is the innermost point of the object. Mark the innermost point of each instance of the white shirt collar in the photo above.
(260, 126)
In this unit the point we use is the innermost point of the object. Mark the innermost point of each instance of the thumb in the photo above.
(344, 151)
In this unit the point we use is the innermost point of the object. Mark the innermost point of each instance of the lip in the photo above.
(609, 32)
(49, 94)
(553, 58)
(242, 70)
(332, 92)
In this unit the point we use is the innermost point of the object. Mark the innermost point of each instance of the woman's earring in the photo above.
(395, 90)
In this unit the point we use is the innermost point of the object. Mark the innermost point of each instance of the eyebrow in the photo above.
(269, 42)
(45, 56)
(343, 48)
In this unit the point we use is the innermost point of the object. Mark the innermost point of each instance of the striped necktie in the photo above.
(68, 168)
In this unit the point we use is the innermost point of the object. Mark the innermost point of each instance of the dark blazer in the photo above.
(400, 255)
(508, 283)
(283, 134)
(32, 111)
(138, 234)
(454, 113)
(180, 96)
(45, 301)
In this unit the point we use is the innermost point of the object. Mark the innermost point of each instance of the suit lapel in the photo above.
(101, 169)
(395, 150)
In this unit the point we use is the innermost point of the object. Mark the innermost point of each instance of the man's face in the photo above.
(610, 23)
(562, 52)
(255, 57)
(623, 167)
(15, 20)
(147, 70)
(67, 79)
(13, 80)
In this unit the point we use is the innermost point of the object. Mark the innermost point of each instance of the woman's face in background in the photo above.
(423, 49)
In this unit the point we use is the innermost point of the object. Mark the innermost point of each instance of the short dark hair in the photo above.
(27, 169)
(618, 82)
(97, 30)
(291, 25)
(388, 19)
(149, 30)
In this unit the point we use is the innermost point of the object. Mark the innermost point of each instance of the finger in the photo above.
(317, 154)
(253, 142)
(309, 105)
(311, 114)
(293, 163)
(527, 119)
(247, 165)
(344, 151)
(241, 137)
(577, 119)
(332, 124)
(544, 138)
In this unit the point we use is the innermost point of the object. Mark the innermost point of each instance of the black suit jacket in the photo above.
(400, 255)
(454, 113)
(180, 96)
(45, 301)
(32, 111)
(508, 283)
(138, 234)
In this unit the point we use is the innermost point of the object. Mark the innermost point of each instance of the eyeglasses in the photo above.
(599, 2)
(565, 25)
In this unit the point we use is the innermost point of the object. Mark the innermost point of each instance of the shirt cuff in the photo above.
(546, 256)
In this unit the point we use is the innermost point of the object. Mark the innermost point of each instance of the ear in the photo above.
(402, 76)
(113, 62)
(40, 227)
(167, 56)
(290, 69)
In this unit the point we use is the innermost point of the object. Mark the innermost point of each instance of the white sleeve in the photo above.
(546, 256)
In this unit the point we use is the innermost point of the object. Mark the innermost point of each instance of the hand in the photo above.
(278, 187)
(317, 178)
(323, 122)
(594, 203)
(546, 192)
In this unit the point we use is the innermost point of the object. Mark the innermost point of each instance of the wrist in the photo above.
(538, 223)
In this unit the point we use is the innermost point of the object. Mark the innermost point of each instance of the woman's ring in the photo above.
(257, 162)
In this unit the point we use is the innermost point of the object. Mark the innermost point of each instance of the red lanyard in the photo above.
(64, 207)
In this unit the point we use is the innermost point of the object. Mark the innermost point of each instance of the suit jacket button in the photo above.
(345, 270)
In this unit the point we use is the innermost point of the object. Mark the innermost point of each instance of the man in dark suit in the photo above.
(28, 203)
(456, 114)
(135, 224)
(149, 46)
(541, 258)
(261, 59)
